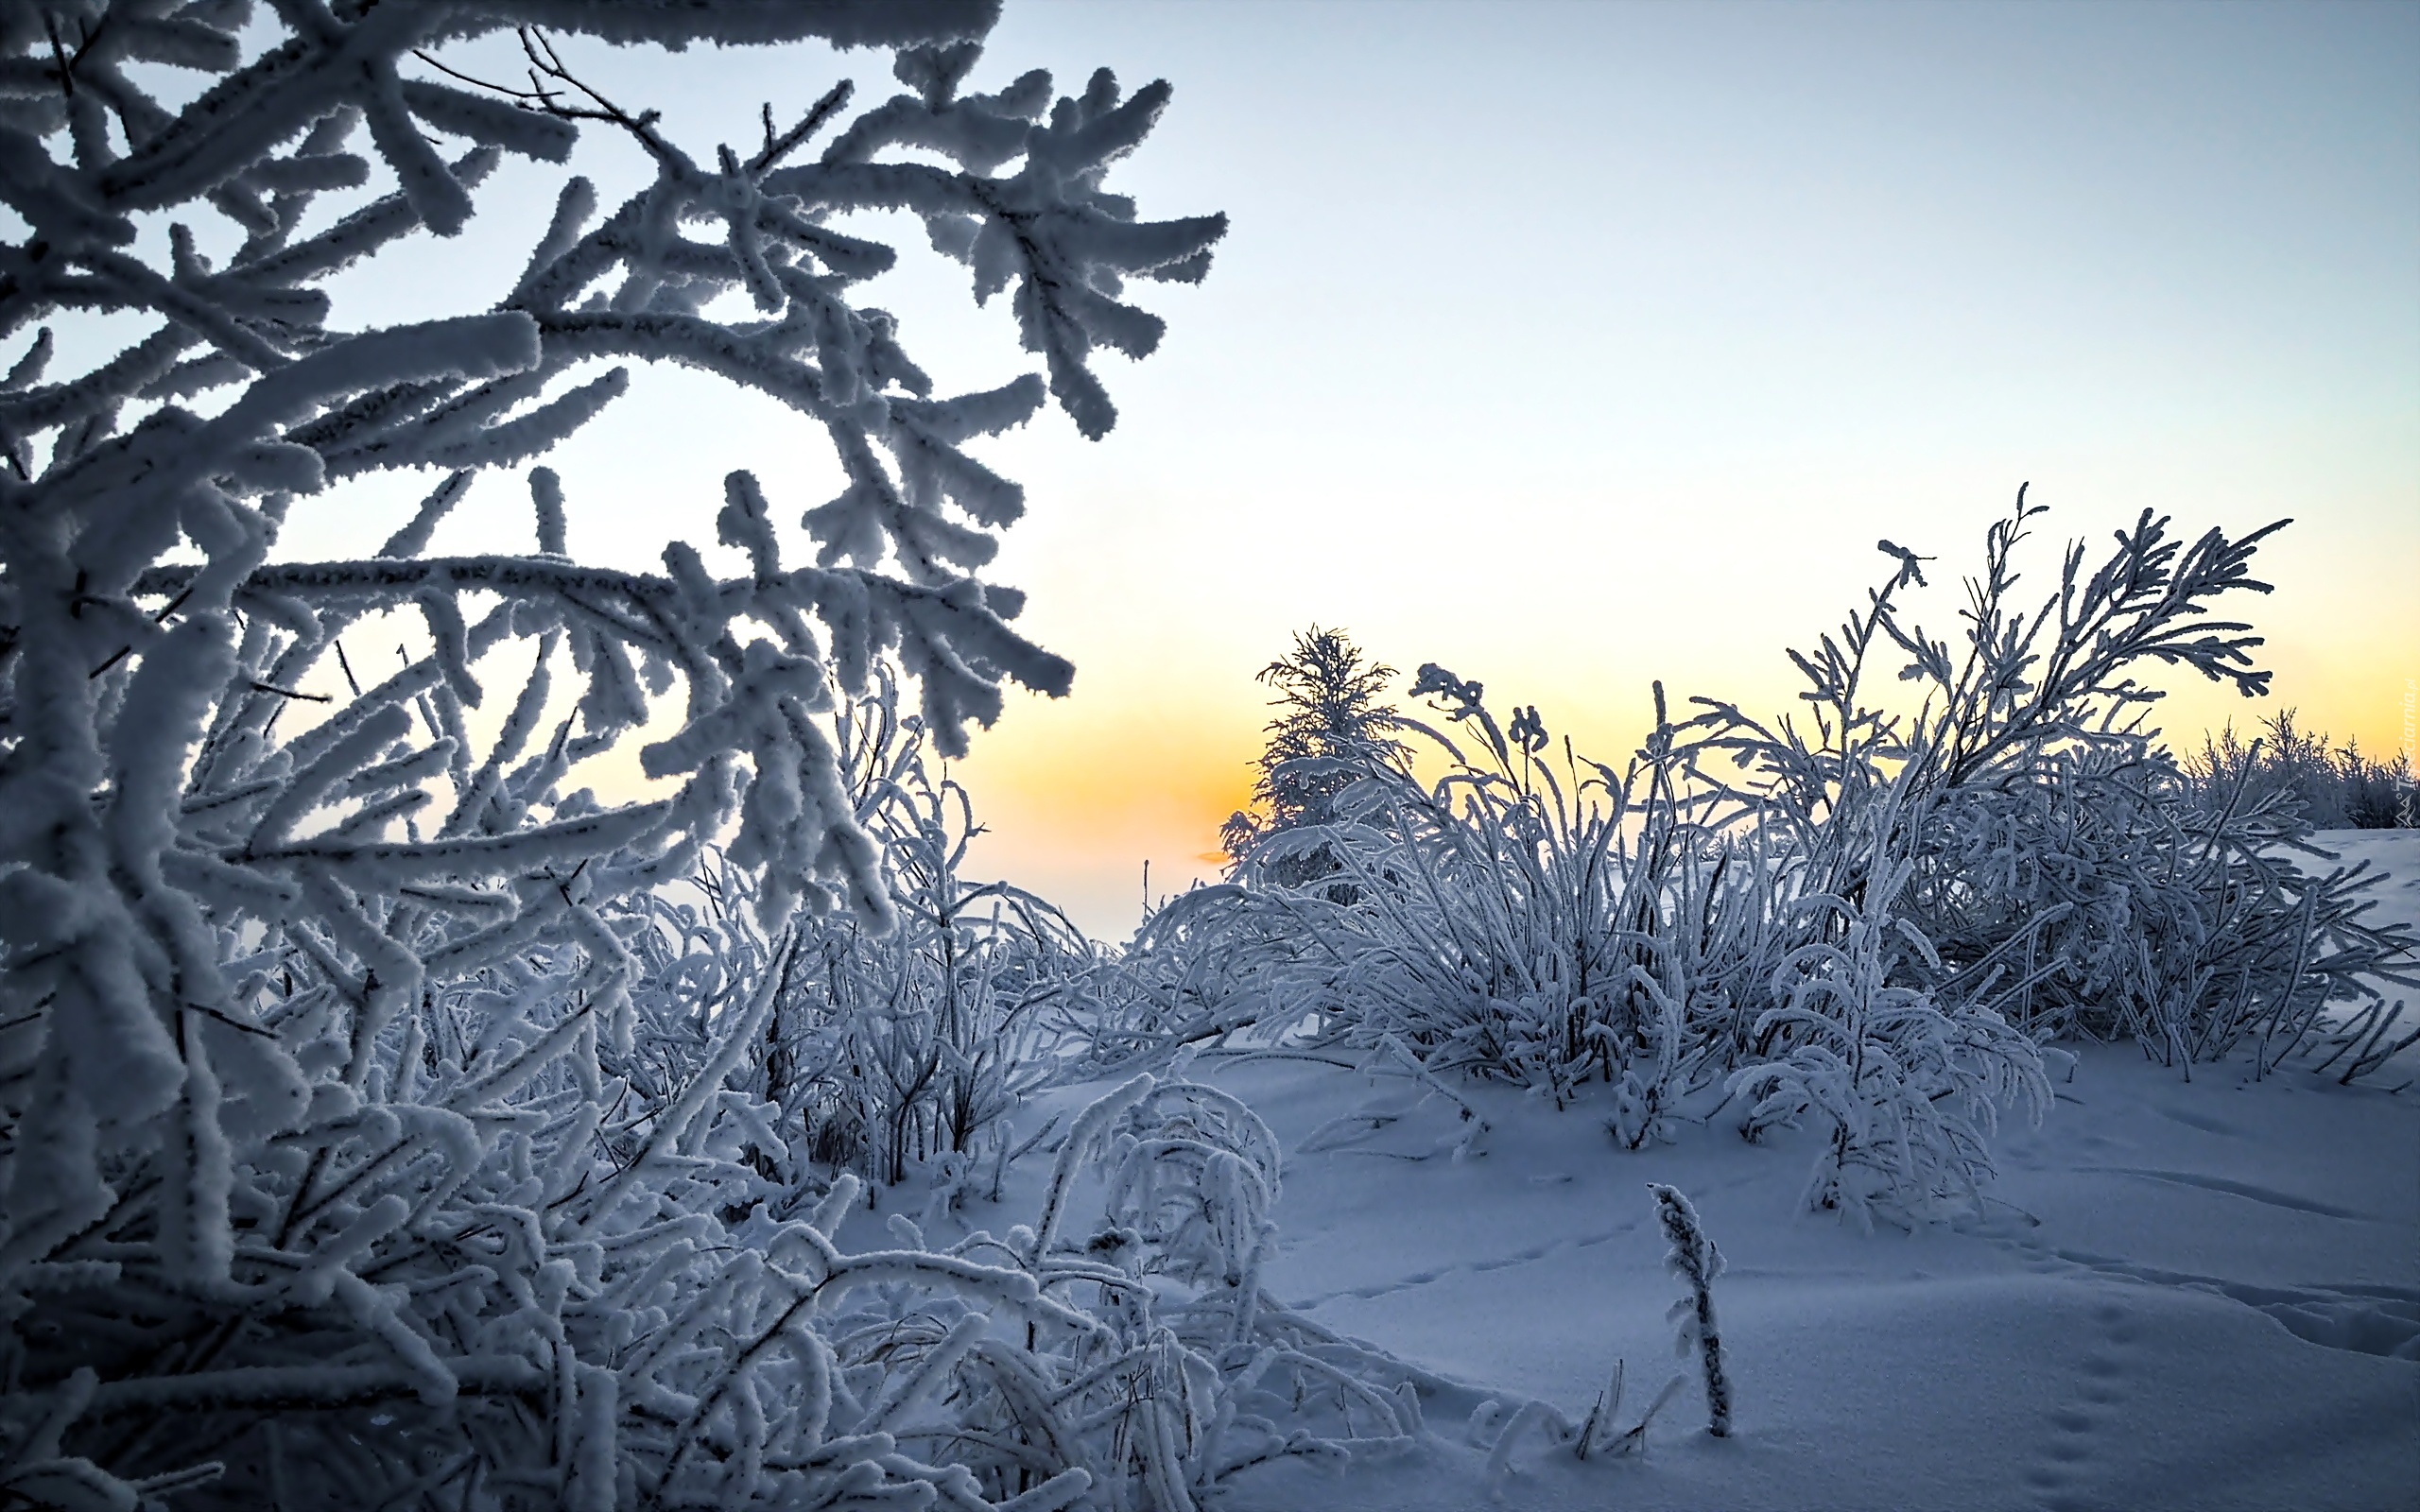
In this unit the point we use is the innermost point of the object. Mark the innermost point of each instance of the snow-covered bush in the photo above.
(326, 1170)
(1149, 1360)
(1909, 1086)
(882, 1049)
(1487, 921)
(1205, 964)
(2059, 864)
(2340, 787)
(1869, 915)
(2130, 907)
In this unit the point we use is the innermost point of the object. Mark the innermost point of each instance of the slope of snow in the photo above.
(2196, 1294)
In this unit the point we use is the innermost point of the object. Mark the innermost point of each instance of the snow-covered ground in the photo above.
(2199, 1295)
(2196, 1294)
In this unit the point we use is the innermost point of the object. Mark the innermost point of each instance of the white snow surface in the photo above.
(2194, 1293)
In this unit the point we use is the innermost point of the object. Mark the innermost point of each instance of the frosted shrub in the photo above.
(885, 1049)
(1491, 921)
(949, 1014)
(1539, 919)
(2338, 787)
(2015, 853)
(1207, 963)
(345, 1155)
(2059, 864)
(1152, 1365)
(2130, 908)
(1479, 918)
(1866, 915)
(1906, 1086)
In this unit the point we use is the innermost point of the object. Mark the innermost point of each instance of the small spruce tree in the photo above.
(1332, 725)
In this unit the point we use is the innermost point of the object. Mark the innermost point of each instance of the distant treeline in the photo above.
(2341, 787)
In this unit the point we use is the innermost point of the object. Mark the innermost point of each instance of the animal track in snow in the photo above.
(1429, 1277)
(2359, 1320)
(2380, 1320)
(2065, 1460)
(2237, 1188)
(2192, 1119)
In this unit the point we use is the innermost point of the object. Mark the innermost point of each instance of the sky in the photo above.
(1575, 346)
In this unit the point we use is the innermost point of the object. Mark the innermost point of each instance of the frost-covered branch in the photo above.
(337, 1138)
